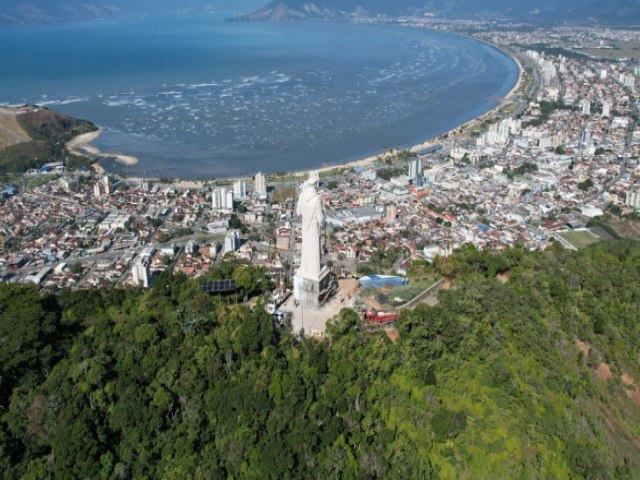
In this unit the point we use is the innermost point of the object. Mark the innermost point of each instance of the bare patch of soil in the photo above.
(392, 333)
(634, 395)
(503, 277)
(349, 286)
(11, 132)
(628, 380)
(604, 371)
(631, 388)
(584, 347)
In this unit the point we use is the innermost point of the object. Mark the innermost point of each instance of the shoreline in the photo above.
(363, 162)
(81, 145)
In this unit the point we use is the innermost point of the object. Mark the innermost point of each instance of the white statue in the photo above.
(310, 208)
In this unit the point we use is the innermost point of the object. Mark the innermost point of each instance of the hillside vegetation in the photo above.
(48, 132)
(534, 376)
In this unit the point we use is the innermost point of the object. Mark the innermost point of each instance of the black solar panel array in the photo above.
(219, 286)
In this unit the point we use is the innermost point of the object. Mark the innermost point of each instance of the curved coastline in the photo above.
(432, 141)
(82, 145)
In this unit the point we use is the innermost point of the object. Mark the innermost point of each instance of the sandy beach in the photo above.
(81, 145)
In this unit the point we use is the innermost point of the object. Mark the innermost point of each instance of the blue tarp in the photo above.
(382, 281)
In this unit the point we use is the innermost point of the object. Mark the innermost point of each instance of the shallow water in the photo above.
(195, 96)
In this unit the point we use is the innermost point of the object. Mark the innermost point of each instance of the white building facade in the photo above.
(222, 200)
(260, 184)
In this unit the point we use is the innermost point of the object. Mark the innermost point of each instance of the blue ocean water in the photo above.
(197, 96)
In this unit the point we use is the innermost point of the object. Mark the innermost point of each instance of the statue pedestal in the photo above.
(311, 293)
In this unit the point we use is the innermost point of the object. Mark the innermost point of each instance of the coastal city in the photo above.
(546, 165)
(319, 239)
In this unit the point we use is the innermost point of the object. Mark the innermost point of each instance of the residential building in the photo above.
(141, 272)
(633, 200)
(239, 189)
(222, 200)
(260, 184)
(231, 241)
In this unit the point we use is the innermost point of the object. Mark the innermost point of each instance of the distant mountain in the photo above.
(595, 11)
(29, 12)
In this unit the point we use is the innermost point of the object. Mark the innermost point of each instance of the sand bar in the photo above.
(81, 145)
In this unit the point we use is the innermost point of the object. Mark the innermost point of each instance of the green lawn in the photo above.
(580, 239)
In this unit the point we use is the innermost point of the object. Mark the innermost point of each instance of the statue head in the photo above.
(313, 179)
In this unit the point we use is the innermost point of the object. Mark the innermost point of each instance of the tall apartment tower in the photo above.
(231, 241)
(390, 214)
(606, 108)
(239, 189)
(415, 172)
(586, 107)
(222, 200)
(260, 184)
(216, 200)
(633, 200)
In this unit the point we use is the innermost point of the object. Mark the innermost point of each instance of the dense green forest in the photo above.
(527, 369)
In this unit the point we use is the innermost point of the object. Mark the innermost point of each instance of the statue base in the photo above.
(313, 293)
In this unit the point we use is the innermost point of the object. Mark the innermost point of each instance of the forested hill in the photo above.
(545, 11)
(531, 376)
(32, 136)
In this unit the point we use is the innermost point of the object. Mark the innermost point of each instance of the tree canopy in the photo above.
(530, 375)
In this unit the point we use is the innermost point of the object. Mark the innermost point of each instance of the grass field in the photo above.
(616, 51)
(580, 239)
